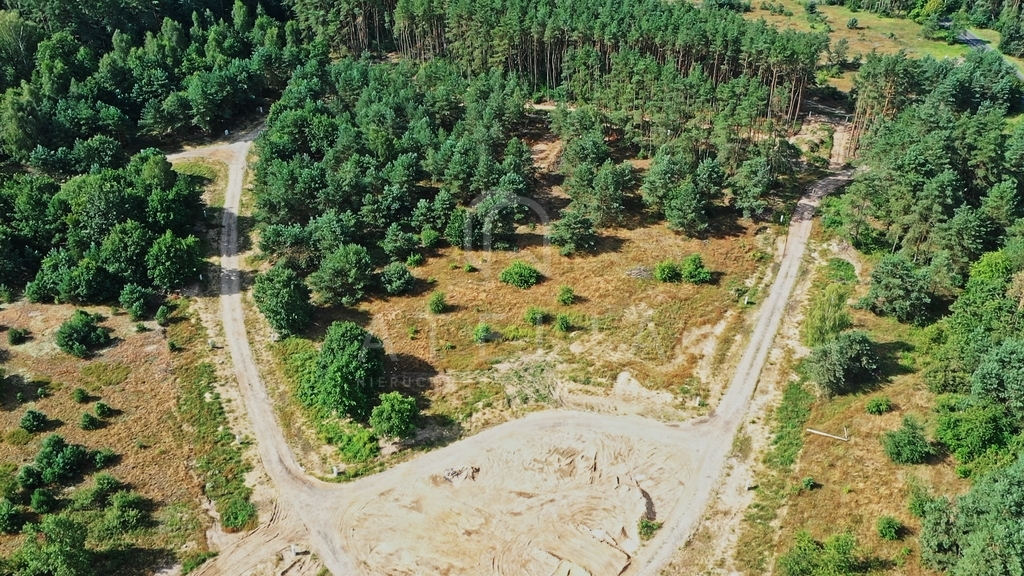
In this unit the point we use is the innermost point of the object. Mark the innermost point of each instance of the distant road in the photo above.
(974, 42)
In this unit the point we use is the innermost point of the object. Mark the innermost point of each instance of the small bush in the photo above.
(566, 296)
(469, 268)
(667, 271)
(879, 405)
(808, 483)
(563, 323)
(81, 333)
(396, 278)
(358, 446)
(429, 238)
(140, 328)
(415, 259)
(43, 501)
(236, 514)
(840, 270)
(694, 271)
(908, 444)
(79, 395)
(482, 333)
(163, 315)
(10, 517)
(193, 560)
(126, 512)
(33, 421)
(133, 299)
(395, 416)
(852, 23)
(888, 528)
(535, 316)
(648, 528)
(89, 422)
(437, 303)
(16, 336)
(104, 458)
(520, 274)
(103, 410)
(98, 495)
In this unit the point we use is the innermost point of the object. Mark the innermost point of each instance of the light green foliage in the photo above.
(969, 429)
(840, 270)
(520, 274)
(163, 315)
(437, 303)
(1000, 377)
(346, 373)
(79, 395)
(840, 364)
(878, 405)
(81, 333)
(58, 541)
(89, 422)
(482, 333)
(358, 446)
(97, 495)
(827, 316)
(535, 316)
(563, 323)
(395, 416)
(566, 296)
(888, 528)
(907, 445)
(283, 299)
(667, 271)
(693, 271)
(837, 556)
(648, 528)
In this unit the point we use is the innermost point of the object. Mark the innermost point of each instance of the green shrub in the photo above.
(879, 405)
(98, 495)
(16, 336)
(889, 528)
(395, 416)
(694, 271)
(648, 528)
(835, 557)
(133, 299)
(482, 333)
(563, 323)
(18, 437)
(396, 278)
(437, 303)
(827, 316)
(81, 333)
(127, 512)
(667, 271)
(359, 446)
(163, 315)
(415, 259)
(103, 458)
(973, 429)
(429, 238)
(103, 410)
(79, 395)
(89, 422)
(566, 296)
(30, 477)
(535, 316)
(10, 517)
(43, 501)
(808, 484)
(33, 421)
(840, 270)
(191, 561)
(236, 513)
(520, 274)
(59, 461)
(840, 364)
(908, 444)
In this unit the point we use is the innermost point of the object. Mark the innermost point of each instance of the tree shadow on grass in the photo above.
(132, 560)
(889, 365)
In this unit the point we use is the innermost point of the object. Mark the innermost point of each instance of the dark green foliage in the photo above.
(60, 462)
(103, 410)
(667, 271)
(878, 405)
(573, 233)
(127, 511)
(79, 395)
(30, 478)
(566, 296)
(841, 364)
(395, 416)
(10, 517)
(648, 528)
(437, 304)
(907, 445)
(89, 422)
(396, 243)
(43, 501)
(103, 458)
(692, 270)
(520, 274)
(750, 186)
(96, 496)
(173, 261)
(837, 556)
(970, 429)
(482, 333)
(55, 546)
(535, 316)
(163, 315)
(283, 299)
(81, 333)
(133, 298)
(415, 259)
(344, 276)
(826, 315)
(16, 336)
(1000, 377)
(898, 290)
(33, 421)
(346, 373)
(888, 528)
(396, 278)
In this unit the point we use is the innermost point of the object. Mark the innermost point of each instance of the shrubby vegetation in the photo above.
(842, 363)
(346, 373)
(81, 333)
(283, 299)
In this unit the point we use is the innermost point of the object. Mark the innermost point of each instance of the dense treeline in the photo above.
(551, 43)
(78, 86)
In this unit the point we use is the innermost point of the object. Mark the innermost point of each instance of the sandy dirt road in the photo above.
(399, 521)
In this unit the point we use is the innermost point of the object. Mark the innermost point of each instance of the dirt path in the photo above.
(328, 517)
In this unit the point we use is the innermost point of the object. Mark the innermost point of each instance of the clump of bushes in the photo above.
(694, 271)
(535, 316)
(667, 271)
(395, 416)
(520, 274)
(437, 303)
(879, 405)
(33, 421)
(842, 363)
(908, 444)
(81, 333)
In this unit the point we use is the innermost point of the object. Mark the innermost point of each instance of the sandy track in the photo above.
(591, 470)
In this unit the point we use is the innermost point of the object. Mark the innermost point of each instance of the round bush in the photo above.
(535, 316)
(89, 422)
(520, 274)
(482, 333)
(437, 303)
(396, 278)
(10, 517)
(879, 405)
(563, 323)
(566, 296)
(394, 416)
(694, 271)
(667, 271)
(908, 444)
(80, 395)
(16, 336)
(43, 501)
(103, 410)
(33, 421)
(889, 528)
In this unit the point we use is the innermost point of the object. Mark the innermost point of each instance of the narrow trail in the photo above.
(310, 510)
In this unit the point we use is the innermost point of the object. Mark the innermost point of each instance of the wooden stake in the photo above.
(820, 433)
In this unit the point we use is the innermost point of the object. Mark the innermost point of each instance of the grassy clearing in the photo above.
(201, 413)
(213, 171)
(98, 375)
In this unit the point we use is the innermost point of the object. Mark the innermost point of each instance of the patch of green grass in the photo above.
(790, 418)
(97, 375)
(18, 437)
(193, 560)
(648, 528)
